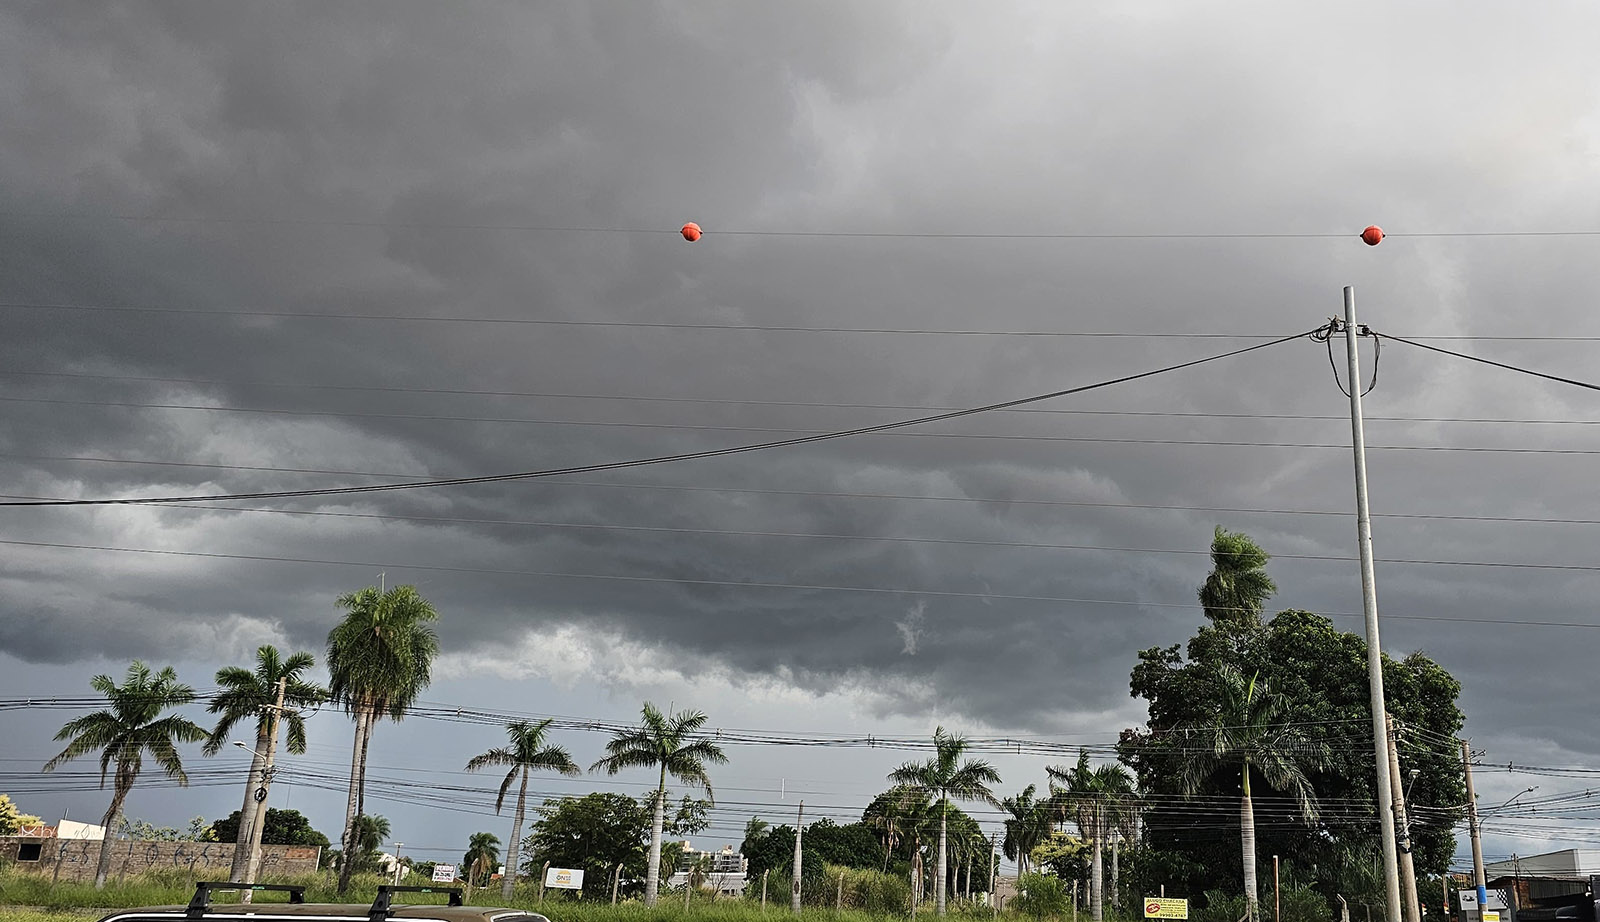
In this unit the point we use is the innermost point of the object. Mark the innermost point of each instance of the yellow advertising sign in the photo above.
(1165, 907)
(1490, 915)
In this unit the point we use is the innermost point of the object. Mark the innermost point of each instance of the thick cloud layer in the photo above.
(408, 160)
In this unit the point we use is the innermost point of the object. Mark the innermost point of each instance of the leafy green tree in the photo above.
(12, 819)
(597, 833)
(665, 742)
(281, 827)
(943, 777)
(1321, 672)
(380, 658)
(243, 696)
(526, 753)
(133, 725)
(483, 854)
(1064, 855)
(1100, 799)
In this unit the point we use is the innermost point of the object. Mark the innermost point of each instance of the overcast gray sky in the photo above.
(411, 160)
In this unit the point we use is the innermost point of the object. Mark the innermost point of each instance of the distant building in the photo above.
(724, 871)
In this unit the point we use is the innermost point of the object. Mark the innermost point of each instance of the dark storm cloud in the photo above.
(385, 142)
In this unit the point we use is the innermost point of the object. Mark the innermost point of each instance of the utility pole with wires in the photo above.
(1479, 879)
(1369, 607)
(1397, 792)
(253, 862)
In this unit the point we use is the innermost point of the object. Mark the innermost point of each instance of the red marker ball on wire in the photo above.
(691, 232)
(1372, 236)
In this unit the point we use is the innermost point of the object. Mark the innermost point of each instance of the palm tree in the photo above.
(526, 753)
(380, 659)
(123, 733)
(1238, 587)
(1099, 799)
(664, 741)
(370, 833)
(245, 695)
(942, 777)
(1246, 733)
(754, 831)
(1027, 825)
(483, 853)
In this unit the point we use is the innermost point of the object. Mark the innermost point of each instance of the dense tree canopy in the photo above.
(282, 827)
(1321, 674)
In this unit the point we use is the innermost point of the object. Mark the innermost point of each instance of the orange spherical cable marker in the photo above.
(1372, 236)
(691, 232)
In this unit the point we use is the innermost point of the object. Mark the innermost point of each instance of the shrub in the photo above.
(1041, 895)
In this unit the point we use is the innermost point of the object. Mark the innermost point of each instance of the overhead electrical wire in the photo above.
(714, 231)
(840, 536)
(708, 326)
(996, 500)
(664, 459)
(1473, 358)
(443, 417)
(740, 584)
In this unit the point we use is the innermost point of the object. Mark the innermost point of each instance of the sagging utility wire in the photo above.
(1473, 358)
(661, 459)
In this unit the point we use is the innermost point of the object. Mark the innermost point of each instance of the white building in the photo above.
(725, 873)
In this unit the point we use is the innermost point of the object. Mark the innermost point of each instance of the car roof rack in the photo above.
(385, 901)
(201, 901)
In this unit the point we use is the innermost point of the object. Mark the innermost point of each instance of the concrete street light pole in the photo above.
(1369, 606)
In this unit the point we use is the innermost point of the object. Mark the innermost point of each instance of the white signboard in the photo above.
(1469, 899)
(444, 873)
(564, 878)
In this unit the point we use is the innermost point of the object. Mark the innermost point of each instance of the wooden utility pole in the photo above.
(838, 902)
(1277, 899)
(764, 889)
(616, 882)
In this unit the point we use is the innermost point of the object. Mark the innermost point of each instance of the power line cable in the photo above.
(713, 231)
(662, 459)
(437, 417)
(996, 500)
(738, 584)
(1484, 361)
(908, 539)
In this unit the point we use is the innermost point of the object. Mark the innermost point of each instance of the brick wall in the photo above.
(78, 857)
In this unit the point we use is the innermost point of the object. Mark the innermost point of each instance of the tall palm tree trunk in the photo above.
(102, 868)
(652, 874)
(347, 842)
(941, 865)
(247, 813)
(509, 879)
(1247, 838)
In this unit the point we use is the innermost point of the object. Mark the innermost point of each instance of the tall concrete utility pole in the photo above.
(1479, 879)
(253, 866)
(1397, 794)
(799, 830)
(1369, 607)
